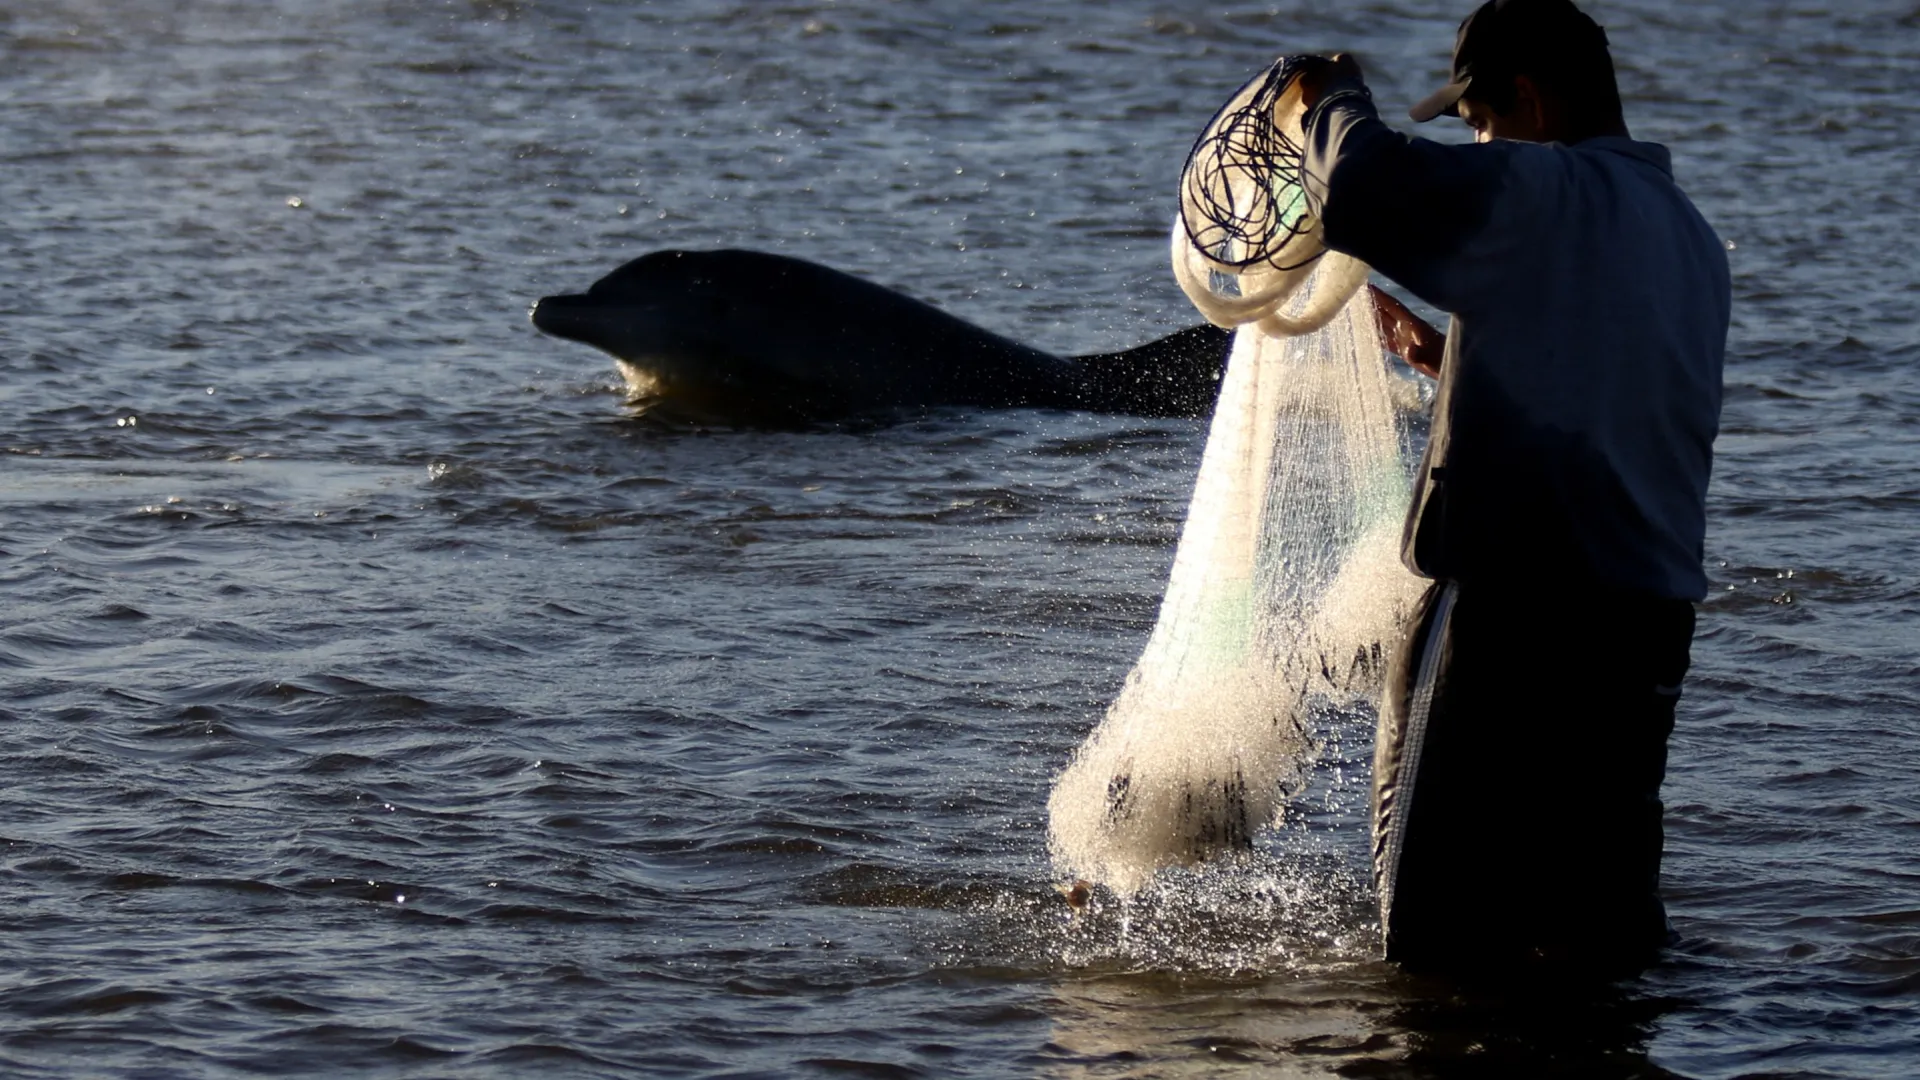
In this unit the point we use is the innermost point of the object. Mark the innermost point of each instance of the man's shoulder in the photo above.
(1601, 154)
(1618, 149)
(1556, 179)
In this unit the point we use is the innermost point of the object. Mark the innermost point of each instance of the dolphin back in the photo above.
(750, 336)
(771, 331)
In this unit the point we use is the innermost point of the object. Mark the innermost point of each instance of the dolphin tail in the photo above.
(1177, 375)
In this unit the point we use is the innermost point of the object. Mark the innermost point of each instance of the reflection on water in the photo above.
(1356, 1021)
(1158, 1025)
(1526, 1030)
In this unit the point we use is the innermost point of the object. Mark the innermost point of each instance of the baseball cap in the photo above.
(1504, 38)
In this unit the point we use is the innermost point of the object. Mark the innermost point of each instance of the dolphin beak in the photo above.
(558, 315)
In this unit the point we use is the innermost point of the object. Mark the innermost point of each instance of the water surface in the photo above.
(379, 695)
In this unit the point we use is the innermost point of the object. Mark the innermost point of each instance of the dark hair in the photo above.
(1585, 86)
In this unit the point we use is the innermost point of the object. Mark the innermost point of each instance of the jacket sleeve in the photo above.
(1418, 211)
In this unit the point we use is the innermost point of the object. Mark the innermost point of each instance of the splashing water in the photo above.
(1285, 588)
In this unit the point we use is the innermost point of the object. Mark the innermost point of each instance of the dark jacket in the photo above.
(1580, 394)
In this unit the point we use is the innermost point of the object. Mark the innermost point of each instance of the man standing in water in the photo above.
(1560, 507)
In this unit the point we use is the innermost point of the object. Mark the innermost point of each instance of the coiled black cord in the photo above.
(1244, 178)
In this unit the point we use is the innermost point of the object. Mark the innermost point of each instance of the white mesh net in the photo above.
(1285, 585)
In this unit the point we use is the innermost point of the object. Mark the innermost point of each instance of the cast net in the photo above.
(1287, 582)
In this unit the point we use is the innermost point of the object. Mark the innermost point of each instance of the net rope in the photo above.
(1243, 200)
(1286, 581)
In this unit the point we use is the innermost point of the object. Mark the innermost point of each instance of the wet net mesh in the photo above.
(1286, 583)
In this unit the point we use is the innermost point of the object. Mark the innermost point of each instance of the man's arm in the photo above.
(1409, 208)
(1407, 335)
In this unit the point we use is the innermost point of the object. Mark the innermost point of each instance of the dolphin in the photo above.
(738, 336)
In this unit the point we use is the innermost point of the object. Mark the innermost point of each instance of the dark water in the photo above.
(379, 697)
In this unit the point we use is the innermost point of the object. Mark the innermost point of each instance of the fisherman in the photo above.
(1560, 506)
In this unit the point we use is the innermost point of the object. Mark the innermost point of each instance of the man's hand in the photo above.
(1407, 335)
(1317, 77)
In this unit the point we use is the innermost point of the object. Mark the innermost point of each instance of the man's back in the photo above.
(1581, 387)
